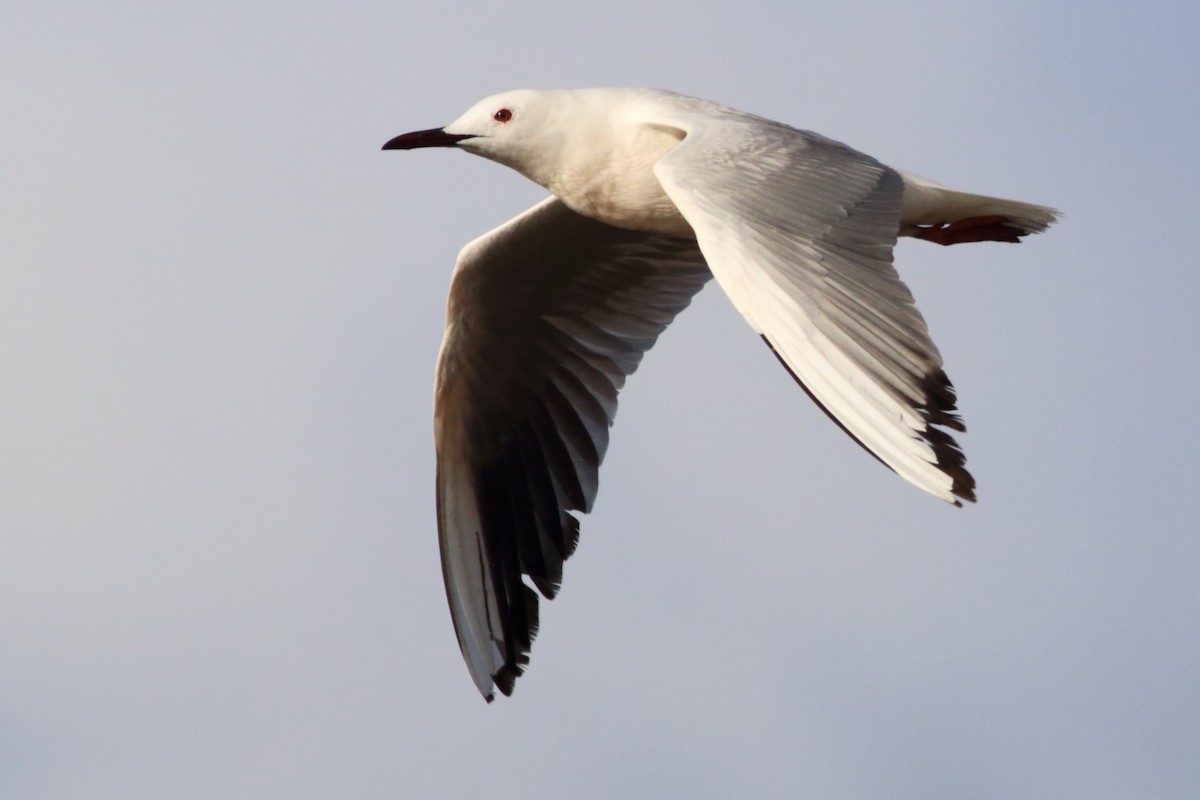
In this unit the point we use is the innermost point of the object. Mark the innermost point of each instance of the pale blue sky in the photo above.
(220, 305)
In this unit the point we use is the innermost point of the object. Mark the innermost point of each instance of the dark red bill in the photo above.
(434, 137)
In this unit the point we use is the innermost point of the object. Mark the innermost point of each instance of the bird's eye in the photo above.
(503, 115)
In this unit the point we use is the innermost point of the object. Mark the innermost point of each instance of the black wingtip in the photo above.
(952, 462)
(939, 409)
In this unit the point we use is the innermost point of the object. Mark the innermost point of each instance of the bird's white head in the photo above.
(523, 129)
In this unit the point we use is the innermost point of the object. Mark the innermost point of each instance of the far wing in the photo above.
(799, 231)
(547, 316)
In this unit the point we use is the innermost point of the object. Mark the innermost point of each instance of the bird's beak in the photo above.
(434, 137)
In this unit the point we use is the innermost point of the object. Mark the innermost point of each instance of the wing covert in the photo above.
(799, 230)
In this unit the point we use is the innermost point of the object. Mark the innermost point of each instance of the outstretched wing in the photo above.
(798, 230)
(548, 314)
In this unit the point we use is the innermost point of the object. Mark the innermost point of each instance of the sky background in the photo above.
(220, 306)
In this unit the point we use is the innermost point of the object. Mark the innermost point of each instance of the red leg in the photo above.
(973, 229)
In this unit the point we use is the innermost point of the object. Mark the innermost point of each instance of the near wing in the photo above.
(548, 314)
(798, 230)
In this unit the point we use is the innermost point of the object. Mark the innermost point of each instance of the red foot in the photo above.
(973, 229)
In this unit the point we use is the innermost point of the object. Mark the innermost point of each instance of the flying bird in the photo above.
(652, 194)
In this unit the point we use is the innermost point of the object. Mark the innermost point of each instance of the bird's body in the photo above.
(653, 194)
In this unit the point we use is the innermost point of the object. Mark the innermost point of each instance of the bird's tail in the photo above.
(946, 216)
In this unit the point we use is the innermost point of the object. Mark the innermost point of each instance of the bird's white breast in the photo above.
(617, 185)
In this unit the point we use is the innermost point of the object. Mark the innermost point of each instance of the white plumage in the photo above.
(653, 193)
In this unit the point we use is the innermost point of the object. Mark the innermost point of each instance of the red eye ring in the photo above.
(503, 115)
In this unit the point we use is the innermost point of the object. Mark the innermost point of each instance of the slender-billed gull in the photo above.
(653, 193)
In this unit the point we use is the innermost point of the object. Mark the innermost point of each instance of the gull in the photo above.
(652, 194)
